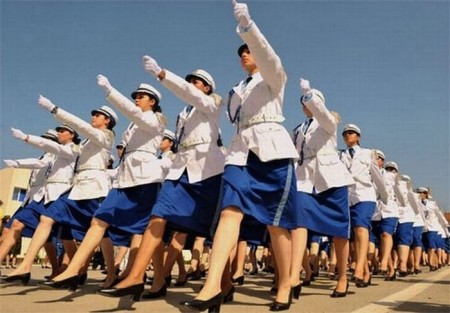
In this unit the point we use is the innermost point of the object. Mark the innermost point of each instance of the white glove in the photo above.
(11, 163)
(241, 13)
(151, 66)
(304, 86)
(103, 82)
(45, 103)
(18, 134)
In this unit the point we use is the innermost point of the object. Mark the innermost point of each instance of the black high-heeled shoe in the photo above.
(402, 273)
(337, 294)
(168, 280)
(282, 306)
(71, 283)
(390, 278)
(360, 283)
(296, 290)
(82, 279)
(24, 278)
(213, 304)
(306, 283)
(135, 291)
(157, 294)
(239, 280)
(229, 297)
(181, 283)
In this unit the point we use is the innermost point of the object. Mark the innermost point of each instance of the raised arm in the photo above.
(98, 136)
(315, 101)
(268, 62)
(184, 90)
(149, 123)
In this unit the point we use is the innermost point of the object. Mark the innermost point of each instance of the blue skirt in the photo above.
(76, 214)
(386, 225)
(252, 231)
(264, 190)
(361, 214)
(189, 207)
(28, 215)
(128, 209)
(429, 239)
(326, 212)
(417, 237)
(404, 234)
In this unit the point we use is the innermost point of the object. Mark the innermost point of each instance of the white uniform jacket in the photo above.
(405, 210)
(367, 176)
(444, 232)
(431, 216)
(166, 161)
(141, 141)
(91, 181)
(391, 208)
(197, 133)
(60, 176)
(257, 107)
(418, 207)
(321, 167)
(38, 176)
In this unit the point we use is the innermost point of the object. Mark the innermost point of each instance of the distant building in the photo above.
(13, 188)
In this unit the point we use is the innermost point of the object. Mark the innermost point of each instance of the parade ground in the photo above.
(426, 292)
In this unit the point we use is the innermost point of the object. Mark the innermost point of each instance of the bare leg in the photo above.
(225, 239)
(298, 237)
(342, 250)
(108, 255)
(39, 239)
(361, 248)
(281, 245)
(10, 237)
(150, 241)
(240, 259)
(92, 239)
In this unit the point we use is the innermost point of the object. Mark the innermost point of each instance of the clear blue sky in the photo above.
(383, 65)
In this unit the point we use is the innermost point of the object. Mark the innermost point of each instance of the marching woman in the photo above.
(188, 197)
(431, 227)
(26, 218)
(59, 179)
(259, 178)
(91, 182)
(385, 219)
(415, 253)
(362, 164)
(404, 232)
(127, 208)
(322, 184)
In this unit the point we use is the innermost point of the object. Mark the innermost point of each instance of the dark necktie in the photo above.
(352, 152)
(248, 80)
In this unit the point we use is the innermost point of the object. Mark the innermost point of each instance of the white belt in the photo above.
(261, 118)
(59, 181)
(140, 150)
(193, 142)
(87, 167)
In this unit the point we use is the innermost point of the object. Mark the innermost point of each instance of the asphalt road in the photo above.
(427, 292)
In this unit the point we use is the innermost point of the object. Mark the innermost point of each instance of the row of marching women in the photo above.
(268, 182)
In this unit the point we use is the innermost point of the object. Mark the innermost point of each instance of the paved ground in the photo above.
(427, 292)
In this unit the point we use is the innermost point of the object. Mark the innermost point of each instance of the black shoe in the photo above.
(181, 283)
(253, 271)
(229, 297)
(24, 278)
(417, 272)
(402, 274)
(71, 283)
(390, 278)
(239, 280)
(168, 280)
(157, 294)
(296, 290)
(279, 306)
(337, 294)
(82, 279)
(306, 283)
(213, 304)
(134, 290)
